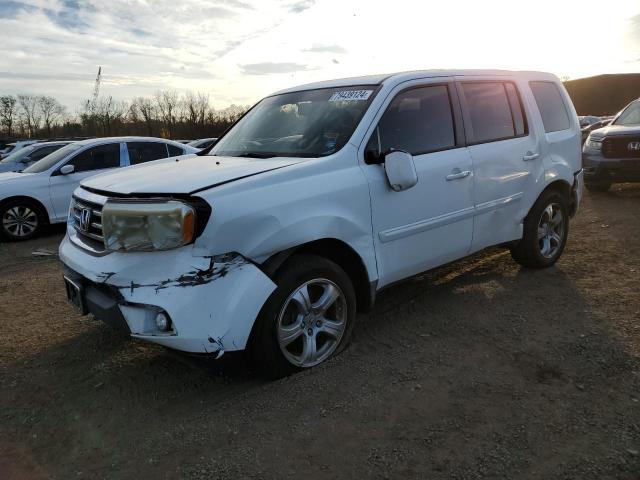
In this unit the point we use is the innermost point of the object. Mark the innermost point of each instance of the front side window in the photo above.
(97, 158)
(489, 112)
(141, 152)
(630, 115)
(417, 121)
(310, 123)
(552, 109)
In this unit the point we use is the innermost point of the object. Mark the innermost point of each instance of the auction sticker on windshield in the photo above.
(351, 95)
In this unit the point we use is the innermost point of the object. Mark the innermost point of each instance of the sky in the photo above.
(238, 51)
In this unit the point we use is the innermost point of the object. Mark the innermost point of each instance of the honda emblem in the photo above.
(85, 219)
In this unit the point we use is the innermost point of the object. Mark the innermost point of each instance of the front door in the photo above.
(432, 222)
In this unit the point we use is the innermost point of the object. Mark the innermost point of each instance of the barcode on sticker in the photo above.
(350, 95)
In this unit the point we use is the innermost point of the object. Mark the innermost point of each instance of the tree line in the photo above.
(166, 114)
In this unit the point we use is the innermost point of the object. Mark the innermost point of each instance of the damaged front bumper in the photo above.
(212, 301)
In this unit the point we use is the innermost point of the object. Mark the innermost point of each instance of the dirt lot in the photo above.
(477, 370)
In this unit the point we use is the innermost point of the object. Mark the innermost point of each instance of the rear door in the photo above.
(506, 153)
(87, 163)
(432, 222)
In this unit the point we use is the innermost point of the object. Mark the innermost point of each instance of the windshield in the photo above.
(312, 123)
(19, 155)
(630, 115)
(50, 160)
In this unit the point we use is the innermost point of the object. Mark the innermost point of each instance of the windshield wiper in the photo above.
(255, 155)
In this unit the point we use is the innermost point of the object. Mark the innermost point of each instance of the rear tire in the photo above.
(545, 232)
(20, 220)
(307, 319)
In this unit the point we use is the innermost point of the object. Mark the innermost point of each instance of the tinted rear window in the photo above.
(552, 108)
(489, 111)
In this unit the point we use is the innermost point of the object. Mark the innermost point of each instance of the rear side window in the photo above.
(489, 107)
(174, 151)
(141, 152)
(96, 158)
(417, 121)
(552, 108)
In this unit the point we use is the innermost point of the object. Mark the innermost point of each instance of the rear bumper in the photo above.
(212, 302)
(599, 170)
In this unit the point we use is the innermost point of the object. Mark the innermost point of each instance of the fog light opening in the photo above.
(163, 322)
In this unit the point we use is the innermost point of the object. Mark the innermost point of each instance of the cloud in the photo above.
(301, 6)
(325, 49)
(635, 27)
(9, 8)
(267, 68)
(68, 15)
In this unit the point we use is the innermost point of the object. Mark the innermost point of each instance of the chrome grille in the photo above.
(89, 230)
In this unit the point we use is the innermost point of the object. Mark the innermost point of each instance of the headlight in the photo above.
(593, 144)
(147, 225)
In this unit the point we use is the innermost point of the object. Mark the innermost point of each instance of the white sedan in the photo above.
(41, 193)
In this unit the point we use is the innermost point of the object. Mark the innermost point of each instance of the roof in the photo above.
(400, 77)
(95, 141)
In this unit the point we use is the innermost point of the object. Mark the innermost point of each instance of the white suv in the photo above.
(319, 197)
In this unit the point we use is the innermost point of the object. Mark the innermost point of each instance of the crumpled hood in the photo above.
(185, 174)
(611, 130)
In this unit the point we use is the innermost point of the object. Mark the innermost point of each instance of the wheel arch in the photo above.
(338, 252)
(29, 199)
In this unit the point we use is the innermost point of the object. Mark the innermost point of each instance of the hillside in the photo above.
(603, 94)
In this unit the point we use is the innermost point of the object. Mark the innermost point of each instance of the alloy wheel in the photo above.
(312, 322)
(20, 221)
(551, 230)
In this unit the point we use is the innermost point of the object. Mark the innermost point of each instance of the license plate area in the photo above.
(75, 295)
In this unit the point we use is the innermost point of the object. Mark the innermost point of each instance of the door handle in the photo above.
(530, 156)
(456, 174)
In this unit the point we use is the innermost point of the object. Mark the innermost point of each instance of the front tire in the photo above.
(545, 232)
(306, 320)
(20, 220)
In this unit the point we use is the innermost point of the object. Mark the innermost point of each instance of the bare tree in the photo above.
(196, 108)
(51, 111)
(167, 103)
(110, 114)
(31, 112)
(7, 113)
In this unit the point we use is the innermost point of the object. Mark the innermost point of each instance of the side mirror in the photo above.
(400, 170)
(67, 169)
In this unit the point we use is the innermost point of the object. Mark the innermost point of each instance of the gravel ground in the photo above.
(479, 369)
